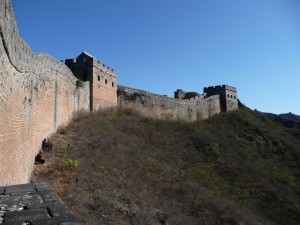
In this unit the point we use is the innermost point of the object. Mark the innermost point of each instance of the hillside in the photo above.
(235, 168)
(289, 120)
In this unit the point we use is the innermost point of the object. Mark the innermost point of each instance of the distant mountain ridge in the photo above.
(289, 120)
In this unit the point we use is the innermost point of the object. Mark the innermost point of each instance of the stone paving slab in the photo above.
(20, 189)
(33, 204)
(26, 215)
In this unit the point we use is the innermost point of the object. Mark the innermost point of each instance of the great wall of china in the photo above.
(39, 93)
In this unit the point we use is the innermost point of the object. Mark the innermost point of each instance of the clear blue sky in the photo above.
(162, 45)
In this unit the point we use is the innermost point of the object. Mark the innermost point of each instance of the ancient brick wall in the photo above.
(104, 88)
(158, 106)
(103, 80)
(37, 94)
(228, 96)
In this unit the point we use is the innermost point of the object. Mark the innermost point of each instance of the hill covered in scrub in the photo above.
(118, 167)
(289, 120)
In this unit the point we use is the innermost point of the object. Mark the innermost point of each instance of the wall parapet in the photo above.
(135, 91)
(38, 94)
(159, 106)
(219, 88)
(83, 62)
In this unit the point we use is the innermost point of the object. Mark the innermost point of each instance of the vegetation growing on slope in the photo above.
(235, 168)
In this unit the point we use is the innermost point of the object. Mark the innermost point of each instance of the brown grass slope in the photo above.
(236, 168)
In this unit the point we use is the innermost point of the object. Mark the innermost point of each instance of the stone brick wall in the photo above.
(158, 106)
(104, 92)
(103, 80)
(37, 94)
(228, 96)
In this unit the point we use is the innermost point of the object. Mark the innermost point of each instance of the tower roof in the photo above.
(85, 54)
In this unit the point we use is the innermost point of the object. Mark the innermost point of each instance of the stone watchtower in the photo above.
(103, 80)
(179, 93)
(228, 96)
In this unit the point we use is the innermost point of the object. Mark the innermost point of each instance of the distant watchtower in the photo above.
(179, 93)
(228, 96)
(103, 80)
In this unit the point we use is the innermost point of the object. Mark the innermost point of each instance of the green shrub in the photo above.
(201, 175)
(62, 130)
(72, 163)
(97, 163)
(108, 127)
(285, 177)
(212, 151)
(270, 168)
(198, 205)
(155, 131)
(79, 84)
(242, 196)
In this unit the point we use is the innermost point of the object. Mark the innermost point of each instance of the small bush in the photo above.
(79, 84)
(72, 163)
(108, 127)
(270, 122)
(285, 177)
(80, 116)
(201, 175)
(212, 151)
(62, 130)
(120, 90)
(97, 163)
(198, 205)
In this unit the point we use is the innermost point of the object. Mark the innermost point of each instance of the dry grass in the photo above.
(230, 169)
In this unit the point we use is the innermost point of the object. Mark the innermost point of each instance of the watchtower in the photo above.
(103, 80)
(228, 96)
(179, 93)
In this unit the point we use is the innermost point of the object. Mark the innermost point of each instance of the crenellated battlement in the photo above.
(102, 78)
(85, 59)
(219, 88)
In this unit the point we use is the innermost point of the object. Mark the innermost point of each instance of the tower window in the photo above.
(112, 84)
(105, 81)
(98, 78)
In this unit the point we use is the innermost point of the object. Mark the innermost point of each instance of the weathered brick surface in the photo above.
(228, 96)
(37, 94)
(158, 106)
(103, 80)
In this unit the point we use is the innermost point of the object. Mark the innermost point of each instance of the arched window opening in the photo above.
(112, 84)
(98, 78)
(105, 81)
